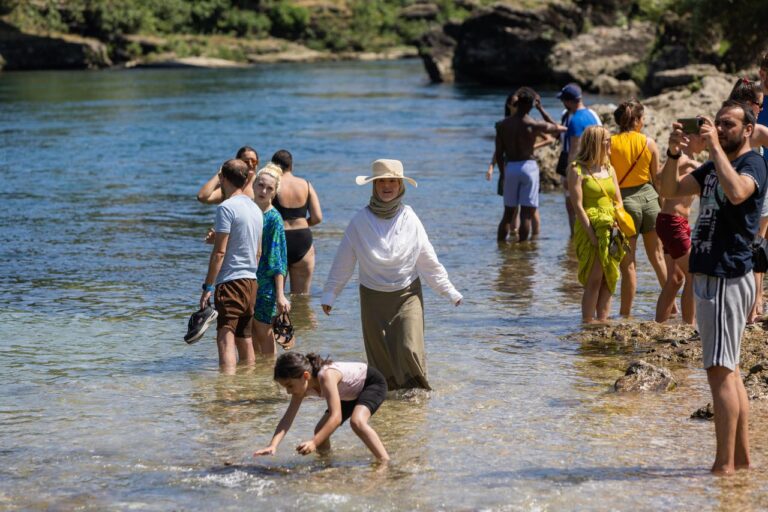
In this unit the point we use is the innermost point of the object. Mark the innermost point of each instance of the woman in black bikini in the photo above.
(298, 236)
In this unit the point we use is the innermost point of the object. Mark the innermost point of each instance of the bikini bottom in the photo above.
(298, 242)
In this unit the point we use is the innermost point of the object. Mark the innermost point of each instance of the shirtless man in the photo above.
(675, 234)
(515, 141)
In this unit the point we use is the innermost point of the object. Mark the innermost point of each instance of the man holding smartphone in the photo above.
(732, 186)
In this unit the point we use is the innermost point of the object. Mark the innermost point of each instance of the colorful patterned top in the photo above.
(274, 256)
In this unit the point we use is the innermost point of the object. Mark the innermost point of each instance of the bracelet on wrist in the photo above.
(674, 156)
(208, 287)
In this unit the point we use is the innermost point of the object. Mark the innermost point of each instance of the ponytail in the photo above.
(627, 114)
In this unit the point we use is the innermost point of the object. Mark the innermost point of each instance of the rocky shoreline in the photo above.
(654, 351)
(21, 51)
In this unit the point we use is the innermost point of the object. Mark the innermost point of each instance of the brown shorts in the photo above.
(234, 302)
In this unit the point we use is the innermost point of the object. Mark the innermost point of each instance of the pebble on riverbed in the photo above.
(642, 376)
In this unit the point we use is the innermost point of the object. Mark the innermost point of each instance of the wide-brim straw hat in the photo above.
(386, 169)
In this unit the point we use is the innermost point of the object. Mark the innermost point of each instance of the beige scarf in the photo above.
(389, 209)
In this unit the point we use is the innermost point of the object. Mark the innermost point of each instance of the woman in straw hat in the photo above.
(393, 250)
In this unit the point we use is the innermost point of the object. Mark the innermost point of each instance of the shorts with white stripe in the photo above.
(722, 307)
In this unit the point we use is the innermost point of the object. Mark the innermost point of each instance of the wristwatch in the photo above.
(674, 156)
(208, 287)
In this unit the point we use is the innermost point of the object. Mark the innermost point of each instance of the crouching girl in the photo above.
(353, 391)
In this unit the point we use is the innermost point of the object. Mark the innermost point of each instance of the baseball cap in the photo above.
(570, 92)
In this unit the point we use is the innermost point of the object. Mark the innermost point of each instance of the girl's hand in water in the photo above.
(306, 447)
(269, 450)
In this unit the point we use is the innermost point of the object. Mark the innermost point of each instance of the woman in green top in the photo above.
(273, 263)
(594, 191)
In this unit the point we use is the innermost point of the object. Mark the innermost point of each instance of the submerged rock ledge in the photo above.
(675, 346)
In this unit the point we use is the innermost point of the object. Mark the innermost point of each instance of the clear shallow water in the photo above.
(104, 407)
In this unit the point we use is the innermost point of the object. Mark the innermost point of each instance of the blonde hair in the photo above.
(273, 170)
(592, 150)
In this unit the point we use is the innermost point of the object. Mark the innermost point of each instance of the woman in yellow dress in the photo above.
(594, 192)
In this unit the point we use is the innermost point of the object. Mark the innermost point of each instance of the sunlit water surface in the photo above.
(105, 407)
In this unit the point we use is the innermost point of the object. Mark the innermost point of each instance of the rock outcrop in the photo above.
(600, 54)
(22, 51)
(500, 45)
(642, 376)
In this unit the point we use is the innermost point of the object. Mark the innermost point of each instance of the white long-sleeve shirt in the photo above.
(391, 253)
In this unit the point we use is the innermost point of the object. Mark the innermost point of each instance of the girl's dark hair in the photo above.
(284, 159)
(246, 149)
(627, 114)
(746, 91)
(292, 365)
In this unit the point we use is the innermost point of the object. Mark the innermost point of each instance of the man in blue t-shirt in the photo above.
(576, 118)
(732, 186)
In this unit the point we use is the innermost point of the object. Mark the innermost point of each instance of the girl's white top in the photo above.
(352, 379)
(392, 253)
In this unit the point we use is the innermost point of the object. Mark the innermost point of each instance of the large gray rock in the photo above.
(22, 51)
(642, 376)
(672, 78)
(500, 45)
(436, 50)
(609, 51)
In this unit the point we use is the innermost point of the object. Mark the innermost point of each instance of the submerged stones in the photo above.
(642, 376)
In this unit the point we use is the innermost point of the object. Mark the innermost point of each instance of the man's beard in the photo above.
(732, 145)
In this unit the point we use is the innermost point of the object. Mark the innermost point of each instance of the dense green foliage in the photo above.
(354, 25)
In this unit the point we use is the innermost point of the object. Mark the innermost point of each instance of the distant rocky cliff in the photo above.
(604, 45)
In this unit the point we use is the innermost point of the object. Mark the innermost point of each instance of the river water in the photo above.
(104, 407)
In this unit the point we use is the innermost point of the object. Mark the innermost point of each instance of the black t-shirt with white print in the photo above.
(719, 244)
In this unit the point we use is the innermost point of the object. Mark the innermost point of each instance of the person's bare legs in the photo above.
(655, 253)
(245, 350)
(570, 212)
(741, 456)
(687, 301)
(535, 224)
(359, 423)
(726, 401)
(225, 342)
(263, 338)
(505, 226)
(300, 273)
(325, 446)
(526, 219)
(628, 278)
(675, 279)
(591, 295)
(603, 302)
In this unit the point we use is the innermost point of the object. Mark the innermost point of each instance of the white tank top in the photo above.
(352, 379)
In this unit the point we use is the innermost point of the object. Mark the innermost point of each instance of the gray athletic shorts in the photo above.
(722, 307)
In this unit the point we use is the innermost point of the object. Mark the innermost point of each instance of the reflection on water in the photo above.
(105, 407)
